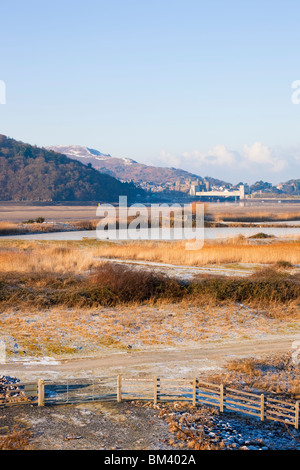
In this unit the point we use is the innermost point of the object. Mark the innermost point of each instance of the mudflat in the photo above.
(58, 213)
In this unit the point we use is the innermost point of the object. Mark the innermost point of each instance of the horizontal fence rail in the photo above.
(80, 390)
(196, 391)
(156, 389)
(18, 393)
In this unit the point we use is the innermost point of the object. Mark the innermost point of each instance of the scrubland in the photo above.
(62, 298)
(74, 275)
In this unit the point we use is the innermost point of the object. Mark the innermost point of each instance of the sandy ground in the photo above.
(58, 213)
(14, 212)
(98, 426)
(189, 272)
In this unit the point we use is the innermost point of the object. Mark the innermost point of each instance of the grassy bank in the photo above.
(35, 226)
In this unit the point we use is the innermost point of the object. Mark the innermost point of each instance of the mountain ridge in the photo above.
(127, 169)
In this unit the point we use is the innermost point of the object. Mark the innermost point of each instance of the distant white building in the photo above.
(239, 193)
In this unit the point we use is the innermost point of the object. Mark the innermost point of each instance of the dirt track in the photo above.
(188, 360)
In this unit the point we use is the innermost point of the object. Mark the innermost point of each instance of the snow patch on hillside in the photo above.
(79, 151)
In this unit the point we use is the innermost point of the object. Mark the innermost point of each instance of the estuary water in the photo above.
(209, 233)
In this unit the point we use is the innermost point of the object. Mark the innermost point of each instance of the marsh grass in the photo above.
(128, 284)
(112, 284)
(268, 286)
(32, 256)
(26, 227)
(274, 373)
(11, 228)
(256, 216)
(238, 250)
(42, 275)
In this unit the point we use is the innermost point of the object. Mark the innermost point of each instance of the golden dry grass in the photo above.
(76, 257)
(13, 228)
(17, 439)
(256, 216)
(234, 251)
(60, 332)
(52, 289)
(274, 373)
(10, 228)
(56, 258)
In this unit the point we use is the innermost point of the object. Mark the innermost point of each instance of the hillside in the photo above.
(29, 173)
(291, 187)
(127, 169)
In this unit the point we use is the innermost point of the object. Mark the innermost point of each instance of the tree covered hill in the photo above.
(30, 173)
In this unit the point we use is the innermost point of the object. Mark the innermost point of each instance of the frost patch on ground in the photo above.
(29, 361)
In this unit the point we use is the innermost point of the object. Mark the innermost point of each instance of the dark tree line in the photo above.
(30, 173)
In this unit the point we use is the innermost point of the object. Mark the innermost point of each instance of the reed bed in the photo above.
(257, 216)
(11, 228)
(235, 251)
(34, 257)
(78, 257)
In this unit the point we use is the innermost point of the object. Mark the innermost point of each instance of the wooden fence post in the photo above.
(221, 398)
(297, 415)
(155, 397)
(119, 389)
(194, 391)
(41, 392)
(262, 407)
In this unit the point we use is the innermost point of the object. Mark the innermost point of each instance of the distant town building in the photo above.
(201, 190)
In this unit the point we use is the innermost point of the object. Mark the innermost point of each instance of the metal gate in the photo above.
(80, 390)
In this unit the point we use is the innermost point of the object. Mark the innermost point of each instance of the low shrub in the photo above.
(134, 285)
(259, 291)
(114, 284)
(261, 235)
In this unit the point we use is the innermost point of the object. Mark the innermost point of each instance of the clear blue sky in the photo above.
(203, 85)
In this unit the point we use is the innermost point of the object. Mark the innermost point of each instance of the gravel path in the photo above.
(189, 361)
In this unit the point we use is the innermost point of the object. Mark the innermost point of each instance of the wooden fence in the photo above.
(195, 391)
(22, 393)
(156, 389)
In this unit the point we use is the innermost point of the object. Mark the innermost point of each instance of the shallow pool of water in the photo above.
(209, 233)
